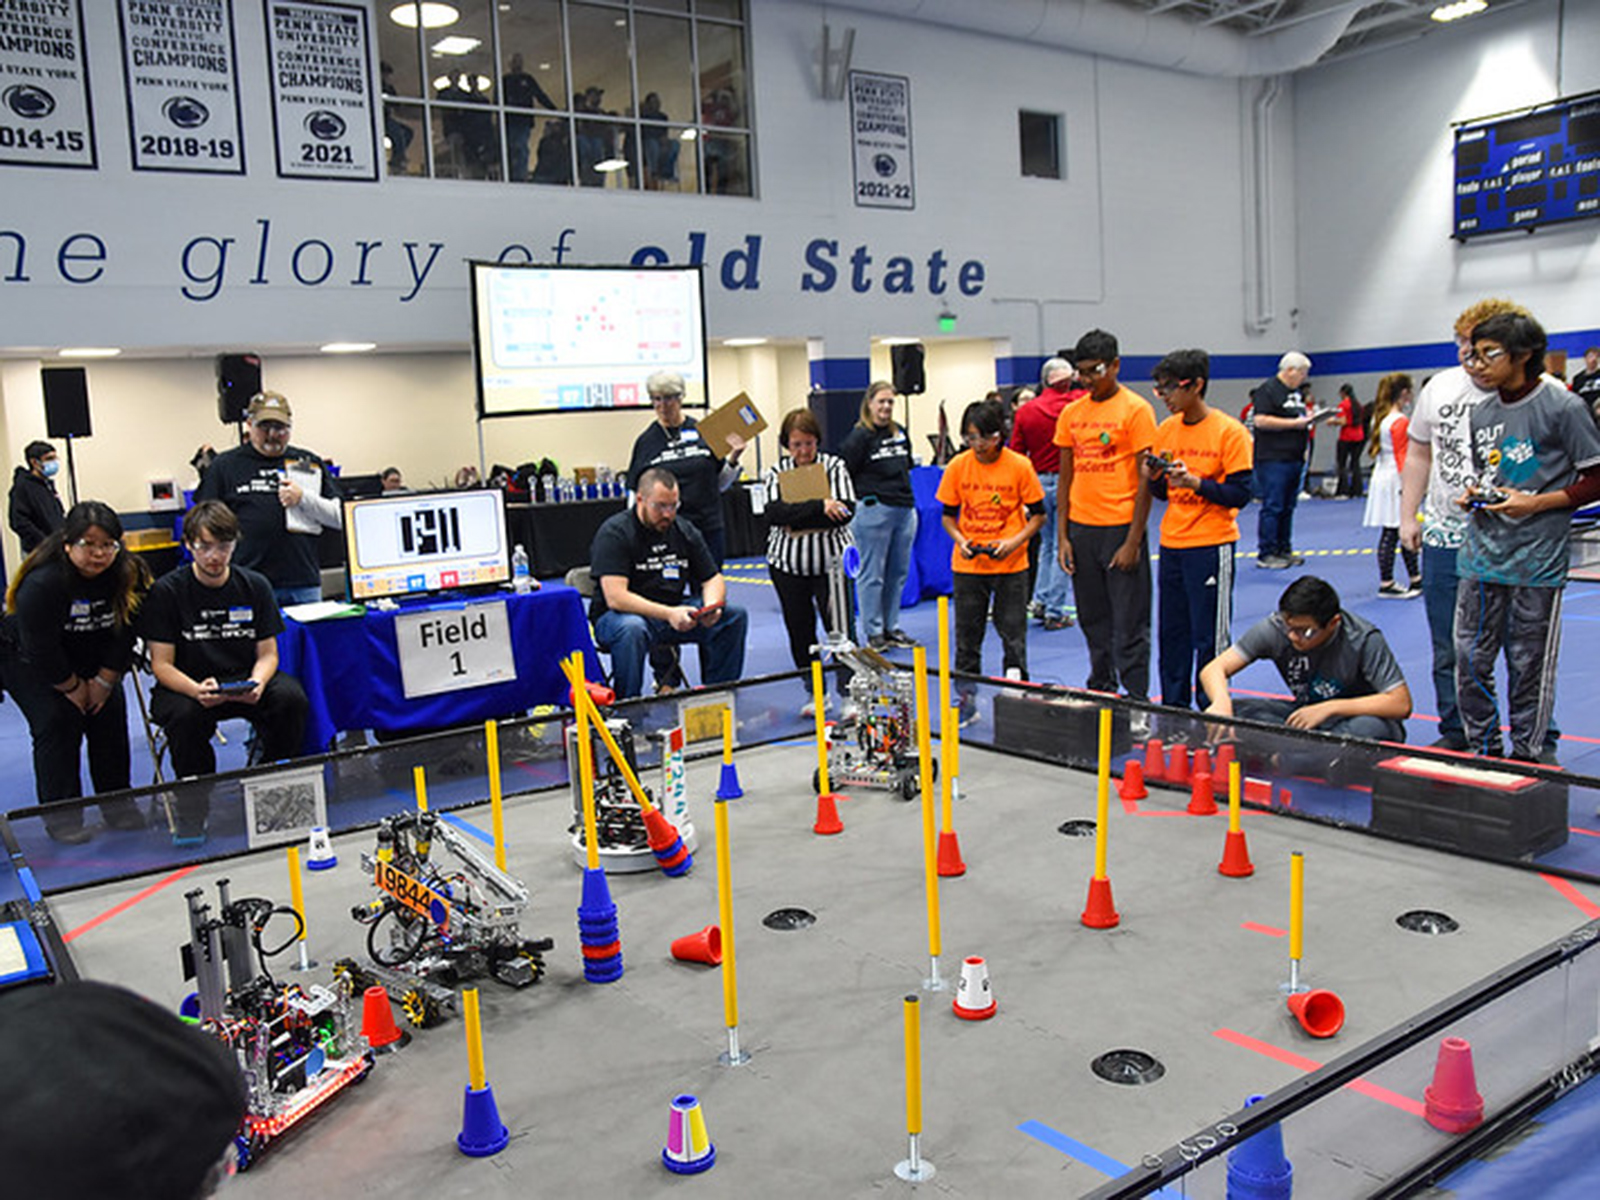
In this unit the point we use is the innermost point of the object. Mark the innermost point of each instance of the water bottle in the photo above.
(521, 579)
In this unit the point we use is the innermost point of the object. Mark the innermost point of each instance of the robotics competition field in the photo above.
(584, 1074)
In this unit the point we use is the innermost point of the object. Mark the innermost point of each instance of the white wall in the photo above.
(1374, 183)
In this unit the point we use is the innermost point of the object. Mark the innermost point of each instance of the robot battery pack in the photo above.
(1467, 808)
(1062, 729)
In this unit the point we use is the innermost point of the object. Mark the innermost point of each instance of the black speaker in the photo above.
(909, 379)
(66, 401)
(238, 379)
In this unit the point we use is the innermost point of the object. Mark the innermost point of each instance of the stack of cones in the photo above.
(1257, 1167)
(1452, 1102)
(598, 929)
(1202, 762)
(666, 844)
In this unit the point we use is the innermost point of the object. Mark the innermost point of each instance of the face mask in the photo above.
(50, 468)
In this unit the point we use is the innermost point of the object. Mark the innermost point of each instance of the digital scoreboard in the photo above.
(1522, 170)
(403, 544)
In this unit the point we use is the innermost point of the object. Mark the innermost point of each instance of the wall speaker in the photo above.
(909, 379)
(238, 379)
(66, 401)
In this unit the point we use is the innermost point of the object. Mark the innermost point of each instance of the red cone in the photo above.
(1201, 801)
(1100, 912)
(1202, 762)
(1178, 765)
(1319, 1011)
(1155, 766)
(377, 1021)
(827, 815)
(1236, 862)
(1132, 785)
(1452, 1102)
(950, 855)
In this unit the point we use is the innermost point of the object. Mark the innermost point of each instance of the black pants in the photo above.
(973, 594)
(1348, 456)
(279, 719)
(58, 729)
(1113, 609)
(803, 598)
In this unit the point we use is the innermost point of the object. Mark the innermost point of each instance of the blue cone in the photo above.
(482, 1132)
(1257, 1168)
(728, 788)
(596, 903)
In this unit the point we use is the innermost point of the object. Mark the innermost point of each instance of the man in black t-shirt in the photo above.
(1283, 416)
(212, 630)
(649, 566)
(267, 482)
(1587, 381)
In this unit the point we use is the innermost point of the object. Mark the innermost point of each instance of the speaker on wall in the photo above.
(238, 379)
(66, 401)
(909, 379)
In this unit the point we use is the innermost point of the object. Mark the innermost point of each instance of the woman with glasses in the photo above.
(70, 620)
(878, 454)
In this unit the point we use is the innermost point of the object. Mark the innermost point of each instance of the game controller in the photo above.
(1484, 497)
(1158, 463)
(976, 548)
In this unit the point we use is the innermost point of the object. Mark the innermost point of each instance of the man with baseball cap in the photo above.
(284, 498)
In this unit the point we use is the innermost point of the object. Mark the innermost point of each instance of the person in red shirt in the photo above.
(993, 505)
(1102, 505)
(1350, 418)
(1033, 433)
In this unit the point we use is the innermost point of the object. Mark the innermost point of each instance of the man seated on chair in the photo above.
(657, 583)
(212, 630)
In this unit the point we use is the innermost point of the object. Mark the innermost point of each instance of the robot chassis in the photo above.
(437, 924)
(624, 844)
(295, 1044)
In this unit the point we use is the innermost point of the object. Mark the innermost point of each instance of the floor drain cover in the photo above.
(1076, 828)
(788, 918)
(1131, 1067)
(1420, 920)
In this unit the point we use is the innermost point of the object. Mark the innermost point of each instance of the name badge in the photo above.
(80, 608)
(669, 572)
(691, 435)
(239, 616)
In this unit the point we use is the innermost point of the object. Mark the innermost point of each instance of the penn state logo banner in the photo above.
(181, 73)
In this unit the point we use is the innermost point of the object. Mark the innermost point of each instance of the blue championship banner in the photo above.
(45, 115)
(181, 73)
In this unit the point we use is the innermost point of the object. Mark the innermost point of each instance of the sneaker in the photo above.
(899, 637)
(1450, 741)
(879, 643)
(1295, 560)
(68, 835)
(1139, 724)
(1413, 590)
(1391, 590)
(1014, 674)
(967, 714)
(808, 709)
(1051, 624)
(1272, 562)
(1036, 611)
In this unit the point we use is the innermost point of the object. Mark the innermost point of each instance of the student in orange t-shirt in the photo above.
(1201, 466)
(993, 504)
(1103, 502)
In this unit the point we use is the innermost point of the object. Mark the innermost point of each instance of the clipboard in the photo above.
(309, 476)
(738, 415)
(800, 484)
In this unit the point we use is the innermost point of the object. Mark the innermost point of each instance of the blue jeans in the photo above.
(309, 594)
(884, 535)
(628, 637)
(1439, 600)
(1052, 589)
(1196, 599)
(1279, 485)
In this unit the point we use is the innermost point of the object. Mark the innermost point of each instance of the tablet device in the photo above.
(236, 687)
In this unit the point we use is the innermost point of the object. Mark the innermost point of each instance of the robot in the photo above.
(443, 921)
(295, 1044)
(619, 824)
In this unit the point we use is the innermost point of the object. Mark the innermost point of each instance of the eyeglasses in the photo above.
(1166, 389)
(667, 398)
(1482, 358)
(1300, 633)
(1094, 372)
(211, 549)
(89, 547)
(977, 439)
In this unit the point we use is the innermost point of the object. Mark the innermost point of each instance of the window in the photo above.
(1040, 138)
(624, 94)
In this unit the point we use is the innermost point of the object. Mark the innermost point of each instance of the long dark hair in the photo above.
(127, 569)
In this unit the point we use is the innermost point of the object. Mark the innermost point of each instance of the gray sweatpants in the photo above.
(1526, 623)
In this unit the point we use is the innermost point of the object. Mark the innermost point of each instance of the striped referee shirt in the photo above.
(801, 539)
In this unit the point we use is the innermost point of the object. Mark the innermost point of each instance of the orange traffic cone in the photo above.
(1202, 762)
(1100, 912)
(704, 946)
(1155, 766)
(1201, 801)
(1452, 1102)
(950, 862)
(1178, 764)
(1236, 862)
(827, 815)
(377, 1021)
(1132, 785)
(1319, 1011)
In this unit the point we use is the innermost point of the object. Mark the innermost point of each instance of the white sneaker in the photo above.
(1014, 674)
(849, 712)
(1139, 724)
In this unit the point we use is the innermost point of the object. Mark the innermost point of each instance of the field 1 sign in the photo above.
(451, 649)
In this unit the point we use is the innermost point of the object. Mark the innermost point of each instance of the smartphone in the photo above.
(236, 687)
(705, 611)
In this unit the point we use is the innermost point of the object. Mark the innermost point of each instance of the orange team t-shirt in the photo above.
(993, 499)
(1106, 438)
(1213, 449)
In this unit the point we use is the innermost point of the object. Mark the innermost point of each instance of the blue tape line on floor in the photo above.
(1087, 1155)
(482, 835)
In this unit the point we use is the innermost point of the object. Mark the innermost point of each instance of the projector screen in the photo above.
(406, 543)
(564, 339)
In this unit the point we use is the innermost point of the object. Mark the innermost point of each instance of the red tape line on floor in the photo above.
(1579, 901)
(93, 922)
(1291, 1059)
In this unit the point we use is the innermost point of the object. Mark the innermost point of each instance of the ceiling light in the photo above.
(744, 341)
(349, 347)
(898, 341)
(88, 352)
(612, 164)
(1458, 9)
(455, 44)
(434, 15)
(688, 135)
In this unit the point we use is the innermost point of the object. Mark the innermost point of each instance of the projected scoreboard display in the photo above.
(432, 542)
(562, 339)
(1530, 168)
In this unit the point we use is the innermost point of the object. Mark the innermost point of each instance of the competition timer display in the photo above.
(1522, 170)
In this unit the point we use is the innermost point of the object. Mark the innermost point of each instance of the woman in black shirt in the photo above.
(71, 609)
(878, 454)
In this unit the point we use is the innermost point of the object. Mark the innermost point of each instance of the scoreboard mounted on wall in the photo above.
(1521, 170)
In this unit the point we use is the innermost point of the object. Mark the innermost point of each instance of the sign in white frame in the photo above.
(452, 649)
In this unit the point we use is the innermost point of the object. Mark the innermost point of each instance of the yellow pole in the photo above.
(947, 765)
(1297, 903)
(419, 782)
(730, 978)
(469, 1002)
(297, 893)
(727, 736)
(949, 727)
(930, 848)
(1233, 796)
(1102, 808)
(580, 731)
(586, 702)
(497, 807)
(824, 784)
(913, 1066)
